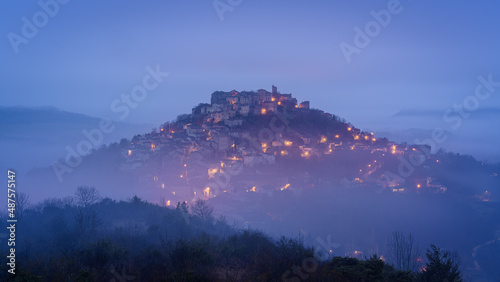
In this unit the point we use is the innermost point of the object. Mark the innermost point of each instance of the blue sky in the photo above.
(91, 52)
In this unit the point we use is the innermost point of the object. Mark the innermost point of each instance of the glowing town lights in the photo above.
(168, 203)
(161, 129)
(163, 186)
(296, 106)
(263, 111)
(264, 145)
(305, 154)
(284, 153)
(288, 143)
(352, 147)
(330, 150)
(323, 139)
(393, 149)
(356, 137)
(337, 136)
(153, 147)
(279, 103)
(349, 129)
(253, 189)
(418, 185)
(273, 99)
(366, 137)
(181, 176)
(375, 161)
(206, 192)
(374, 139)
(285, 187)
(437, 161)
(369, 165)
(130, 152)
(185, 165)
(360, 170)
(173, 193)
(414, 149)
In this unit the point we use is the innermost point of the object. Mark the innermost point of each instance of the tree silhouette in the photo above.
(403, 251)
(202, 210)
(86, 196)
(442, 266)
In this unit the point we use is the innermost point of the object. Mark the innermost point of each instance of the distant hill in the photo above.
(32, 137)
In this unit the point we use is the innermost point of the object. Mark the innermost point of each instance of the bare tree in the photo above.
(403, 251)
(203, 210)
(86, 196)
(22, 203)
(86, 219)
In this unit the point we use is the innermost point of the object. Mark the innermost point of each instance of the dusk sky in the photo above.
(426, 59)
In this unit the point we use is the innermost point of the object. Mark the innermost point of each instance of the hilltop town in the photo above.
(265, 141)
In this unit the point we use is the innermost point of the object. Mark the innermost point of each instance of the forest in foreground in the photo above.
(89, 238)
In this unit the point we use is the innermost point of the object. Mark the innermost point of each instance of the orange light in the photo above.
(337, 136)
(418, 185)
(130, 152)
(285, 187)
(373, 139)
(273, 99)
(263, 111)
(349, 129)
(366, 137)
(356, 137)
(279, 103)
(288, 143)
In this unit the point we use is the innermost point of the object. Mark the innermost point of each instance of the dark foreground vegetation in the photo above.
(85, 238)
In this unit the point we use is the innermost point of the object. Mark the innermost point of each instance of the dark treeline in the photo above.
(86, 238)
